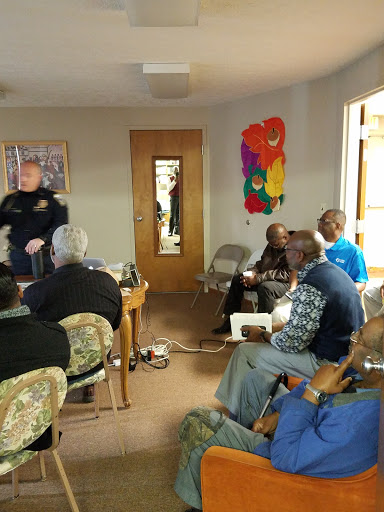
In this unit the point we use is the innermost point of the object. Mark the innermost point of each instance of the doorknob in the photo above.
(139, 219)
(369, 364)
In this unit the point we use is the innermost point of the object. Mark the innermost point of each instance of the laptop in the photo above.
(94, 263)
(263, 320)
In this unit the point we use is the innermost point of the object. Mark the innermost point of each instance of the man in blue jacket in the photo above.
(327, 427)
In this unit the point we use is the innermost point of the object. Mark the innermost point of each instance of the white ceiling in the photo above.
(84, 52)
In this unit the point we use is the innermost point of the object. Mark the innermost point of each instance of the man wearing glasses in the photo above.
(270, 278)
(340, 251)
(326, 308)
(328, 427)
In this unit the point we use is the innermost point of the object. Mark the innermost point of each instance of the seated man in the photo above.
(27, 344)
(73, 288)
(373, 299)
(318, 429)
(339, 251)
(271, 278)
(326, 308)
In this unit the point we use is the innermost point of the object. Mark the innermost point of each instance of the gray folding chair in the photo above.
(227, 252)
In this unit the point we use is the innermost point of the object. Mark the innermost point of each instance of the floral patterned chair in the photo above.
(29, 404)
(91, 337)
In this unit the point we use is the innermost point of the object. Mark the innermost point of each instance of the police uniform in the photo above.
(32, 215)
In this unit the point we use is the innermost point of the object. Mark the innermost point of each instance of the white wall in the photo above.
(99, 163)
(313, 113)
(100, 169)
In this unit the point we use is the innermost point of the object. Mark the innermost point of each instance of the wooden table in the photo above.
(129, 332)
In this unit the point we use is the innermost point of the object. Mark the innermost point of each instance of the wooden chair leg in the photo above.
(198, 291)
(15, 483)
(117, 421)
(64, 479)
(97, 399)
(43, 472)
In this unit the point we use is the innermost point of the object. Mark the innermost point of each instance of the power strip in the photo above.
(159, 352)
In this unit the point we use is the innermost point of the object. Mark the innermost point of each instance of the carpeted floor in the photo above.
(142, 480)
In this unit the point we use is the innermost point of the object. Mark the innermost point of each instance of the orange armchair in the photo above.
(232, 480)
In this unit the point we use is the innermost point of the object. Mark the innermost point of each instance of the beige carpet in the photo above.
(142, 480)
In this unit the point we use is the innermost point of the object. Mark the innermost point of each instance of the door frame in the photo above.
(206, 184)
(350, 161)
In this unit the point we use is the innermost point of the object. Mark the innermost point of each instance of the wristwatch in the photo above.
(320, 395)
(262, 336)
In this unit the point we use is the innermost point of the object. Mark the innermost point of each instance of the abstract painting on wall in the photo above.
(263, 166)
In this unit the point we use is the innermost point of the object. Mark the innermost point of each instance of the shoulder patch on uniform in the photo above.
(59, 199)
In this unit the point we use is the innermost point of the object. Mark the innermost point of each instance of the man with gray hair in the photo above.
(73, 288)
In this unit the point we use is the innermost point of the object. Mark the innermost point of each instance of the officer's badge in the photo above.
(43, 203)
(59, 199)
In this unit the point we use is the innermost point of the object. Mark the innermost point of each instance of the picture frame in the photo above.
(51, 155)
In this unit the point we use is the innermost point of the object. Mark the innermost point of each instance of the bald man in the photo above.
(33, 213)
(326, 309)
(271, 278)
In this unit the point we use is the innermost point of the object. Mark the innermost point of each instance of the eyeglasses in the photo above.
(295, 250)
(289, 249)
(325, 221)
(355, 341)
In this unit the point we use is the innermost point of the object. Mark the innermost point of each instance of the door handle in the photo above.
(368, 364)
(139, 219)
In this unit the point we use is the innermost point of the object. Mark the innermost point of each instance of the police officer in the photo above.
(33, 213)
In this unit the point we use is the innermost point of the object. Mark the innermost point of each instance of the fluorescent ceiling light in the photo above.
(163, 13)
(167, 80)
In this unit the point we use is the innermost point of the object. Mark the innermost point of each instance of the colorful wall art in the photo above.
(263, 166)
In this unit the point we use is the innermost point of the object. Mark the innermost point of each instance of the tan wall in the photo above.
(99, 163)
(313, 113)
(99, 160)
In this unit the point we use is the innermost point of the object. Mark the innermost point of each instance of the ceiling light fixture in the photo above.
(167, 81)
(163, 13)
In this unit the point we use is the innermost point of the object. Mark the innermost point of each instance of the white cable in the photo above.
(168, 346)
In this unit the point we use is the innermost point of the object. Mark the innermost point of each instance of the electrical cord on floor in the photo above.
(161, 361)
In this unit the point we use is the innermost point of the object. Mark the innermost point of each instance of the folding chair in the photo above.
(226, 252)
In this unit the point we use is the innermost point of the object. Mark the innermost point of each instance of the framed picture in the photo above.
(51, 155)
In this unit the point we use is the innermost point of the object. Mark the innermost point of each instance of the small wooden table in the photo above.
(129, 332)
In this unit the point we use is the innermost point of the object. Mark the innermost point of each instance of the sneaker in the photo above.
(224, 328)
(177, 243)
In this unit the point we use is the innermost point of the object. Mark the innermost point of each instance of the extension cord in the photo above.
(159, 352)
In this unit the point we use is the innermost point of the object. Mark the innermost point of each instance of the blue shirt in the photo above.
(323, 441)
(350, 258)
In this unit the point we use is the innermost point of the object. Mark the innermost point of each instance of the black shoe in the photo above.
(225, 327)
(177, 243)
(169, 234)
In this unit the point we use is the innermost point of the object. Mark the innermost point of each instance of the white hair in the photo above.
(70, 243)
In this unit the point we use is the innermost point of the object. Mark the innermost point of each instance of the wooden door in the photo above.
(380, 462)
(362, 177)
(168, 272)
